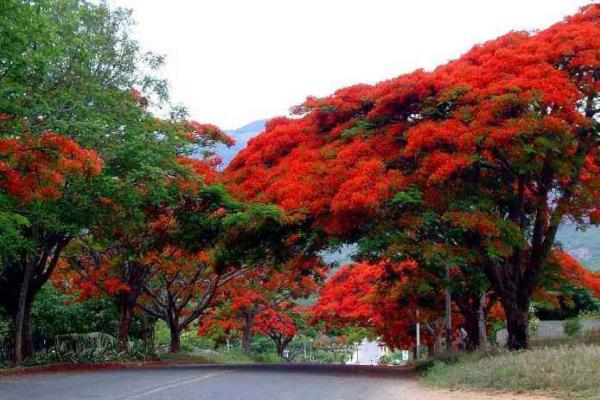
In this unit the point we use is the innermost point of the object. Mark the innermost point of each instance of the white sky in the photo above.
(235, 61)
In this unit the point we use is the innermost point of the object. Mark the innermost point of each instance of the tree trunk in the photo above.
(148, 334)
(28, 346)
(471, 325)
(22, 328)
(431, 350)
(280, 348)
(517, 322)
(124, 325)
(281, 344)
(247, 334)
(175, 346)
(482, 322)
(469, 306)
(127, 300)
(514, 293)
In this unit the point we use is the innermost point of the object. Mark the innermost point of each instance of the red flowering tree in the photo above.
(387, 298)
(39, 177)
(180, 287)
(568, 288)
(138, 216)
(503, 141)
(264, 301)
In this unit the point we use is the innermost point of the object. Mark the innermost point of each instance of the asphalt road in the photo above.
(216, 383)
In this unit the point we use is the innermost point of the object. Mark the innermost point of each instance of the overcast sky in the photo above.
(235, 61)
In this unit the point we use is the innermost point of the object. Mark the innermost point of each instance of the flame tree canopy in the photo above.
(264, 301)
(501, 143)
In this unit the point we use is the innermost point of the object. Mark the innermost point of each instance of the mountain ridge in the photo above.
(241, 136)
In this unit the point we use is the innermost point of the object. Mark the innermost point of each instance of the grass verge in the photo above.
(567, 371)
(213, 357)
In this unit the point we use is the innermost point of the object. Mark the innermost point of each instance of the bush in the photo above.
(190, 341)
(442, 358)
(572, 327)
(89, 348)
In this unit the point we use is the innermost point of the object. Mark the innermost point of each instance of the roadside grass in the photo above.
(569, 371)
(214, 357)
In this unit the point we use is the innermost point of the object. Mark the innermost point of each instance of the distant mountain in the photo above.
(241, 136)
(583, 245)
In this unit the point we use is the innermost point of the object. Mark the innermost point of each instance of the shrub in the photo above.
(572, 327)
(441, 358)
(534, 321)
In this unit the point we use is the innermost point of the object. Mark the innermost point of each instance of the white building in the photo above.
(368, 353)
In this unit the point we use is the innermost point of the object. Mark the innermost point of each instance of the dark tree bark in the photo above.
(431, 350)
(517, 321)
(23, 308)
(19, 284)
(281, 344)
(469, 306)
(175, 345)
(471, 325)
(148, 333)
(135, 277)
(125, 320)
(481, 322)
(180, 311)
(474, 309)
(247, 334)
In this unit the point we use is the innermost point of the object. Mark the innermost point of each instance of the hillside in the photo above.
(583, 245)
(241, 136)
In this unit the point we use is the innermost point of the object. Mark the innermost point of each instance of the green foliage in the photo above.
(410, 197)
(11, 238)
(572, 327)
(90, 347)
(95, 347)
(361, 127)
(190, 340)
(57, 315)
(443, 358)
(573, 301)
(54, 313)
(72, 66)
(534, 321)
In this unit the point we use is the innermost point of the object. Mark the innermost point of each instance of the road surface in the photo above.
(222, 383)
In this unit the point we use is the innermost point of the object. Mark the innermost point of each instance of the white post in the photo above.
(448, 312)
(304, 347)
(418, 336)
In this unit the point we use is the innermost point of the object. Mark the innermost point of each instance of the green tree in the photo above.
(71, 67)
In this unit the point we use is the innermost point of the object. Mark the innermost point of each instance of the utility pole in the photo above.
(448, 311)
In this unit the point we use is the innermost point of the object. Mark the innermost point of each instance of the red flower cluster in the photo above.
(348, 153)
(34, 167)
